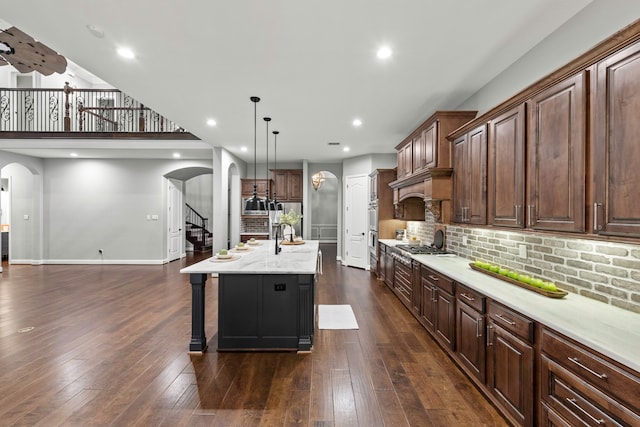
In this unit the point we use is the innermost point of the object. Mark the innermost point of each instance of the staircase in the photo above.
(196, 230)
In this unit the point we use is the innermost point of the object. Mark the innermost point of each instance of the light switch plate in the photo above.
(522, 251)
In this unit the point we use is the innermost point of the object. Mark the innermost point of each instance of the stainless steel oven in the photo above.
(373, 216)
(373, 241)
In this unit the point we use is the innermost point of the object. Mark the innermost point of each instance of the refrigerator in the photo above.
(274, 218)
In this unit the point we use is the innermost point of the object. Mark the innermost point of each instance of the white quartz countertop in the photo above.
(610, 330)
(261, 259)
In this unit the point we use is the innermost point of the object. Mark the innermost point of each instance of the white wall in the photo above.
(595, 23)
(89, 204)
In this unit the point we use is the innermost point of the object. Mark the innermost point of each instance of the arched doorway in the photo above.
(21, 205)
(189, 210)
(324, 206)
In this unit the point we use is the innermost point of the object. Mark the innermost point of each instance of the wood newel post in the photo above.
(141, 118)
(67, 119)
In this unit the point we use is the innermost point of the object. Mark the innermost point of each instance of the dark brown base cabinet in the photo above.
(582, 388)
(470, 335)
(510, 358)
(532, 374)
(438, 312)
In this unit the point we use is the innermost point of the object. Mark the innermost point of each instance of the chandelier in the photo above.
(316, 180)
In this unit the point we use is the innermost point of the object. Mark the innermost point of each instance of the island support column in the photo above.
(198, 338)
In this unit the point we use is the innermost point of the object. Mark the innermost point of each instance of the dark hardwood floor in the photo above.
(108, 345)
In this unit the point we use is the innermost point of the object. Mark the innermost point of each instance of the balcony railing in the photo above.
(77, 110)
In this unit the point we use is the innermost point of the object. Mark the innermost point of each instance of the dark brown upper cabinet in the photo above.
(506, 170)
(470, 177)
(556, 156)
(616, 144)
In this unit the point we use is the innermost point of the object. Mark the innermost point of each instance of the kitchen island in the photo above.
(265, 301)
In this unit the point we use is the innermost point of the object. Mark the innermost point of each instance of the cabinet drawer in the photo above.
(471, 298)
(511, 320)
(623, 385)
(443, 282)
(579, 402)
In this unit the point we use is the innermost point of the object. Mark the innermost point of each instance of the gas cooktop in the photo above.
(421, 250)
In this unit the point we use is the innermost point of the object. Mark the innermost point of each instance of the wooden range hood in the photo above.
(425, 172)
(427, 191)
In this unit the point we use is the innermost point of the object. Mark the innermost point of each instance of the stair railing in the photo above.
(77, 110)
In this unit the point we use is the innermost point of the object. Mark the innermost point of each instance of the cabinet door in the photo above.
(401, 169)
(470, 174)
(616, 148)
(460, 201)
(510, 373)
(416, 288)
(556, 147)
(428, 307)
(446, 318)
(418, 153)
(382, 271)
(471, 345)
(295, 186)
(373, 187)
(430, 145)
(477, 175)
(408, 159)
(507, 169)
(280, 185)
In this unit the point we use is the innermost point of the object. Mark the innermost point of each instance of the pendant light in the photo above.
(253, 203)
(267, 201)
(275, 167)
(275, 186)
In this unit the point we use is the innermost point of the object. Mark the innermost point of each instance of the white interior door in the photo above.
(175, 219)
(356, 196)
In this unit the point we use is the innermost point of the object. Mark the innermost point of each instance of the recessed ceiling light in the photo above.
(211, 122)
(73, 154)
(176, 155)
(243, 149)
(125, 52)
(357, 122)
(384, 52)
(345, 149)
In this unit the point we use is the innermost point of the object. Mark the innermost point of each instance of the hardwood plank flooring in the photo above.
(104, 345)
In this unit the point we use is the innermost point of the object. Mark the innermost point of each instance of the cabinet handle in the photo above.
(596, 226)
(478, 333)
(505, 320)
(320, 261)
(434, 278)
(433, 293)
(529, 215)
(591, 371)
(489, 336)
(574, 403)
(517, 214)
(467, 297)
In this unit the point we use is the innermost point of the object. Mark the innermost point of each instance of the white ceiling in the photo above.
(313, 64)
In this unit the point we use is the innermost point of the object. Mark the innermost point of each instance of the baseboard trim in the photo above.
(104, 262)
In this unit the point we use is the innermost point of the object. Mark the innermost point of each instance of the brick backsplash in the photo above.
(423, 230)
(607, 272)
(254, 225)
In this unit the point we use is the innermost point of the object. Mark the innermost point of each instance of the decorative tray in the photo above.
(551, 294)
(216, 259)
(295, 242)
